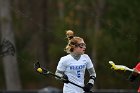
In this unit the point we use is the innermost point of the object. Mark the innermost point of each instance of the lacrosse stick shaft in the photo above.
(132, 70)
(46, 73)
(52, 74)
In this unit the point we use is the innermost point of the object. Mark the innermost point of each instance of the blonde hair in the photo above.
(72, 41)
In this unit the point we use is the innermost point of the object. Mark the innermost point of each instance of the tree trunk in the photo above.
(97, 32)
(98, 9)
(9, 61)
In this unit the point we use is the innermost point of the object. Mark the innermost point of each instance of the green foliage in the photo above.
(118, 41)
(40, 33)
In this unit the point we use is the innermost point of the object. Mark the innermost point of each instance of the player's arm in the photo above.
(59, 73)
(91, 81)
(92, 75)
(62, 75)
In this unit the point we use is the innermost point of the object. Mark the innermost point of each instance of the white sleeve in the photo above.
(61, 65)
(89, 62)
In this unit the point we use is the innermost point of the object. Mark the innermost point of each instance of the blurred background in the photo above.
(37, 29)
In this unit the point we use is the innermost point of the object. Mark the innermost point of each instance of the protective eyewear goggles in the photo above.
(81, 45)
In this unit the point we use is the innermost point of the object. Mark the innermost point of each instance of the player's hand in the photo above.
(88, 87)
(65, 78)
(132, 77)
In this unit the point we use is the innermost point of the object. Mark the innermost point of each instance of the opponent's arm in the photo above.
(132, 77)
(136, 71)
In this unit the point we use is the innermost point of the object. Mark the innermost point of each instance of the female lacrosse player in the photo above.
(135, 74)
(72, 66)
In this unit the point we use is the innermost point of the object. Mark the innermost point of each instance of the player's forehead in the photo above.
(82, 41)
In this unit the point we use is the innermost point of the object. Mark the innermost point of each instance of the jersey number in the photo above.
(78, 74)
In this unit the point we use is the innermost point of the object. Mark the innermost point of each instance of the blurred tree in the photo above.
(9, 62)
(110, 29)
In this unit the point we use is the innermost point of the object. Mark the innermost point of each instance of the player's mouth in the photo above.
(84, 50)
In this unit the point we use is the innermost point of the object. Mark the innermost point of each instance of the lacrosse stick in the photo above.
(6, 48)
(132, 76)
(46, 72)
(119, 67)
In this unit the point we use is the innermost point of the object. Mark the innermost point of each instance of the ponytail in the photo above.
(69, 34)
(72, 41)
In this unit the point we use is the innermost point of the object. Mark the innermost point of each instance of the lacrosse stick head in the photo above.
(36, 65)
(111, 63)
(39, 69)
(115, 67)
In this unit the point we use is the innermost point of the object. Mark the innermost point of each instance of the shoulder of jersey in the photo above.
(66, 57)
(85, 55)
